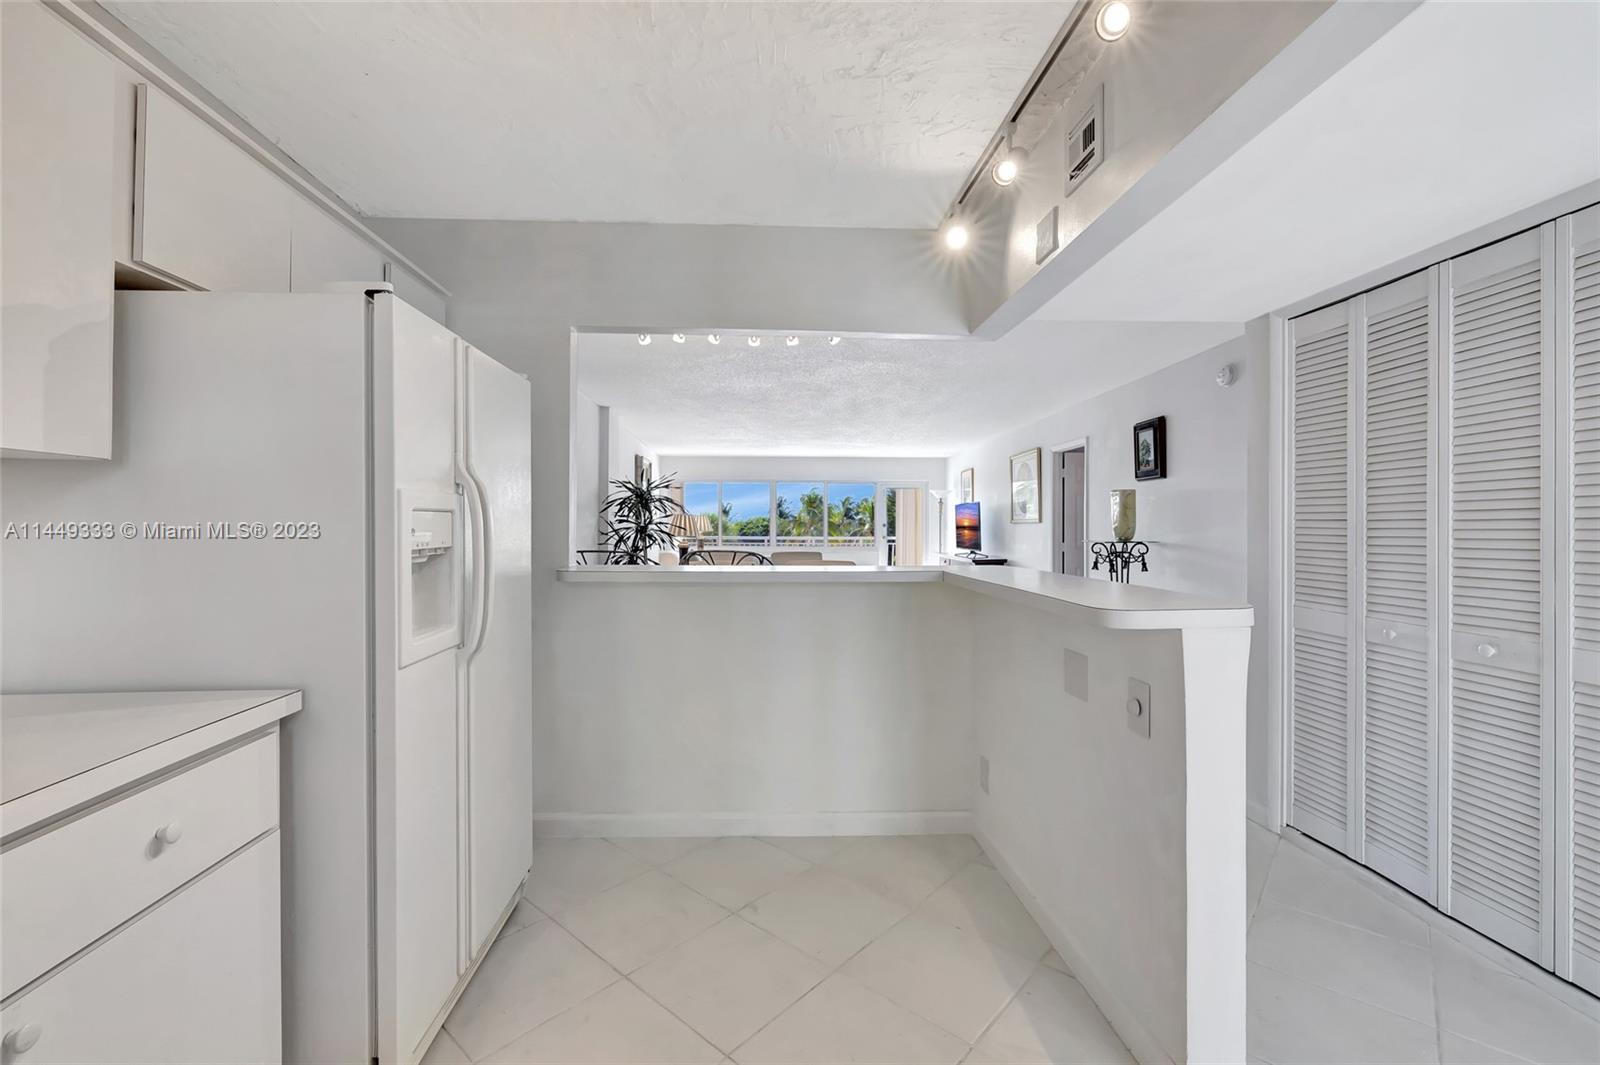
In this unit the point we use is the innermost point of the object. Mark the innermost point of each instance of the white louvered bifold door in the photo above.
(1399, 711)
(1578, 761)
(1499, 813)
(1321, 740)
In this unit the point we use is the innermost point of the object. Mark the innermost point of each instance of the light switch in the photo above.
(1077, 674)
(1139, 707)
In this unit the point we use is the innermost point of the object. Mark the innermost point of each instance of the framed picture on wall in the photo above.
(968, 486)
(1025, 486)
(644, 470)
(1150, 449)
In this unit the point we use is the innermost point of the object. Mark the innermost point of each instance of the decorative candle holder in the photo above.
(1119, 555)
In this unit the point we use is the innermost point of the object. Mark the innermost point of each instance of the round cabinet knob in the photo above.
(1488, 650)
(170, 833)
(1135, 707)
(21, 1040)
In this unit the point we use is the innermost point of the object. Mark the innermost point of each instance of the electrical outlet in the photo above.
(1138, 707)
(983, 774)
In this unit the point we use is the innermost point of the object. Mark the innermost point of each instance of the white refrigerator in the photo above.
(329, 492)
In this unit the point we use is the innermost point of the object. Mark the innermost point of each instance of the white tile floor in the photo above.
(1345, 968)
(913, 949)
(878, 949)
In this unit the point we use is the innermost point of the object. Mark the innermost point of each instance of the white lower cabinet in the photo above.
(193, 980)
(140, 913)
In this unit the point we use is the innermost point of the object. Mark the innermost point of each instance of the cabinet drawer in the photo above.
(197, 979)
(71, 884)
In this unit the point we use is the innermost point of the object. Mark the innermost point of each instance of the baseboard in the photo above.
(1129, 1025)
(1257, 812)
(844, 823)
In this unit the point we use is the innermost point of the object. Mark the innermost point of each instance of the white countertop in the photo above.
(72, 744)
(1096, 602)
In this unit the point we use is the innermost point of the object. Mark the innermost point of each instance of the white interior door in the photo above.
(498, 678)
(1399, 690)
(1501, 742)
(1321, 718)
(1071, 521)
(1578, 752)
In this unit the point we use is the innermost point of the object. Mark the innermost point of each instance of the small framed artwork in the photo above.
(1150, 449)
(968, 486)
(1025, 486)
(644, 471)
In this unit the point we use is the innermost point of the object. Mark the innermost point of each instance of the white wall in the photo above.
(1195, 519)
(589, 470)
(1206, 521)
(753, 708)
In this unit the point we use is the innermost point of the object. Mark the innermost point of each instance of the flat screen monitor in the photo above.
(968, 528)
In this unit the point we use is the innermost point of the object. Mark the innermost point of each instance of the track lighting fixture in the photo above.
(644, 340)
(1112, 20)
(791, 341)
(955, 235)
(713, 338)
(1009, 162)
(678, 338)
(834, 340)
(754, 342)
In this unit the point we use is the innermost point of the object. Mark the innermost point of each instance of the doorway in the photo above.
(902, 524)
(1070, 478)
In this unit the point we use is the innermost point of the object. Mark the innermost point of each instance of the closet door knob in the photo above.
(1487, 650)
(170, 833)
(21, 1040)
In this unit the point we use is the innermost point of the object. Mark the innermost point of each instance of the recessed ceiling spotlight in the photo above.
(1112, 21)
(644, 339)
(955, 236)
(754, 342)
(791, 341)
(834, 340)
(678, 338)
(713, 338)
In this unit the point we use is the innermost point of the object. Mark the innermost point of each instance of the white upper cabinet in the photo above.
(57, 115)
(325, 251)
(205, 212)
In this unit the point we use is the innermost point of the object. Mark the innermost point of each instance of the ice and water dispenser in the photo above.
(430, 574)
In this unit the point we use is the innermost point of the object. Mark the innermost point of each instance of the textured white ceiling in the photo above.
(868, 397)
(828, 114)
(1461, 115)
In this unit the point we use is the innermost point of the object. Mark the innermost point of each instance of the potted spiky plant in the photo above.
(638, 519)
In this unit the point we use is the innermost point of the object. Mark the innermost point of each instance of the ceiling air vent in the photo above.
(1086, 141)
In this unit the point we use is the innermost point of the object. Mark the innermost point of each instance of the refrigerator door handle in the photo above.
(477, 559)
(485, 572)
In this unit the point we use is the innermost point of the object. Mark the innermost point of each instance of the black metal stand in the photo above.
(1119, 557)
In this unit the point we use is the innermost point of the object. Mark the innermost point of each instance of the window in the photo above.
(850, 514)
(761, 515)
(802, 514)
(700, 497)
(746, 513)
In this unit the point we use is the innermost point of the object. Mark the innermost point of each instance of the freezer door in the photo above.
(417, 579)
(496, 662)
